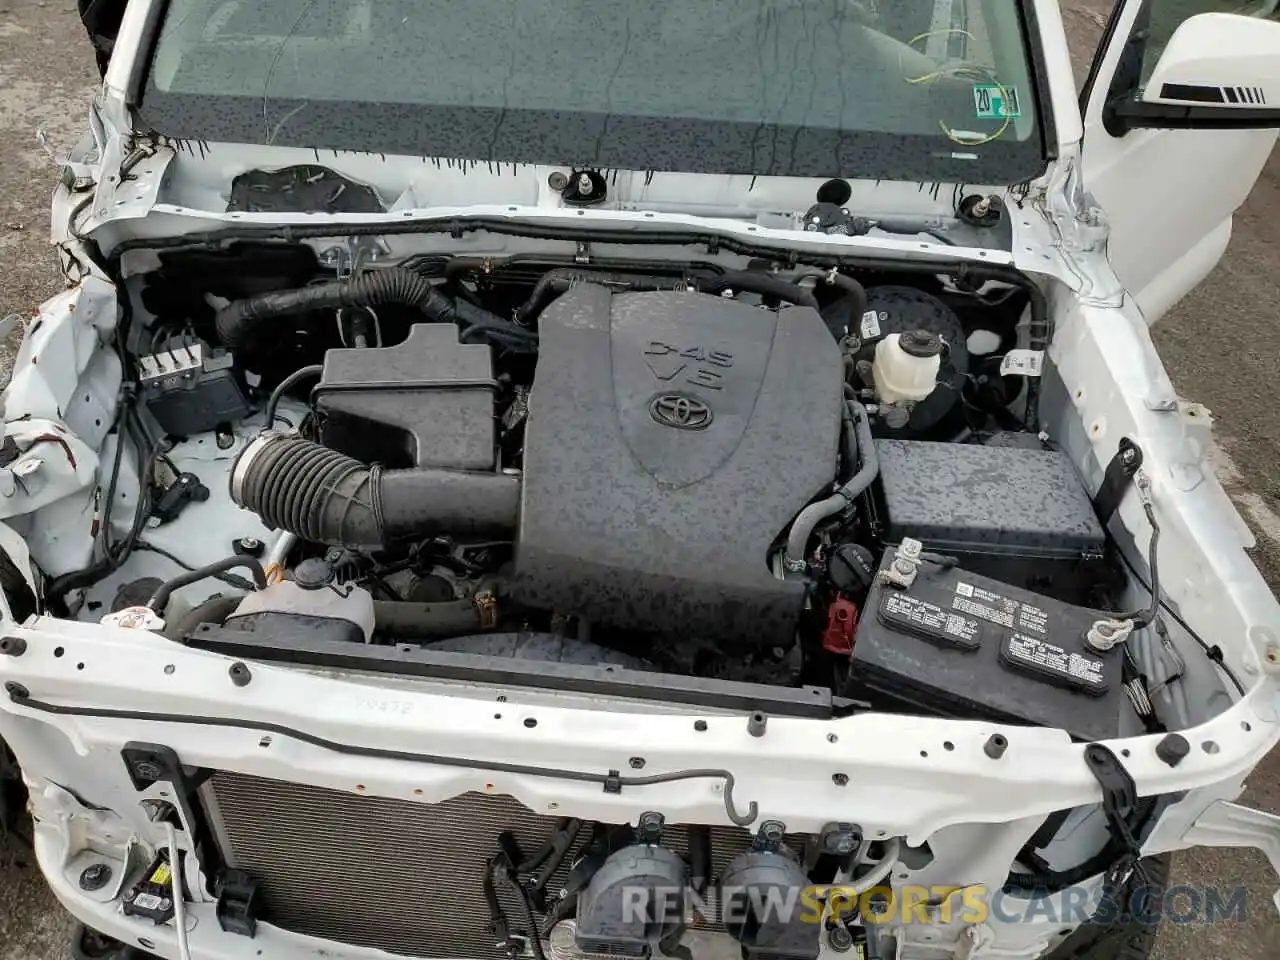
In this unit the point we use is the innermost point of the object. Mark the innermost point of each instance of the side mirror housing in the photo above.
(1219, 70)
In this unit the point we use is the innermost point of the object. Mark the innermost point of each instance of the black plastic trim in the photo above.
(1045, 123)
(1124, 115)
(814, 703)
(141, 66)
(1100, 53)
(1194, 93)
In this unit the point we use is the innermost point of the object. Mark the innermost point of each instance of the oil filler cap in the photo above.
(313, 574)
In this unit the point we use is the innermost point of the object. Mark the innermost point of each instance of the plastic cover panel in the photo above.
(672, 437)
(994, 500)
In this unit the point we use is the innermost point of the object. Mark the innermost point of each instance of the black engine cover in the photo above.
(672, 437)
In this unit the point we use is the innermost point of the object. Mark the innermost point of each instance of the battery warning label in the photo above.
(930, 620)
(998, 609)
(1054, 663)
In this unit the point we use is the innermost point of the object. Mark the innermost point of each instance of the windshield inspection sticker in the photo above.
(994, 102)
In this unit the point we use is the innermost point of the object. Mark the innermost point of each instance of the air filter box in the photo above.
(426, 402)
(960, 645)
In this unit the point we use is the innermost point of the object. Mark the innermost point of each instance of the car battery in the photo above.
(944, 641)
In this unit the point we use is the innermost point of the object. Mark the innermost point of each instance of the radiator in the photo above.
(399, 876)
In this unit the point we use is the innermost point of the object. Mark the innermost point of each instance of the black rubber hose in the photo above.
(846, 494)
(160, 599)
(283, 387)
(555, 282)
(849, 307)
(394, 618)
(767, 285)
(327, 497)
(238, 322)
(214, 610)
(854, 301)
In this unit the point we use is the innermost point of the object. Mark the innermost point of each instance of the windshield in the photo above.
(906, 90)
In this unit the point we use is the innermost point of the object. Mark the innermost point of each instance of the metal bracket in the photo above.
(1119, 801)
(1119, 793)
(357, 251)
(237, 906)
(1115, 481)
(1227, 824)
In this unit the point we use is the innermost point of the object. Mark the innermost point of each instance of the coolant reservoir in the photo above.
(906, 366)
(310, 603)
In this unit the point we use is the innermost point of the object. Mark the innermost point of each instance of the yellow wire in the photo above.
(968, 71)
(955, 137)
(940, 33)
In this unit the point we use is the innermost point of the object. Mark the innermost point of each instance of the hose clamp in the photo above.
(240, 470)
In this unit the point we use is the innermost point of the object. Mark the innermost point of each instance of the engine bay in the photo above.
(807, 480)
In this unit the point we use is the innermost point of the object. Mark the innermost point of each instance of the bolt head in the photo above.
(839, 938)
(95, 876)
(840, 779)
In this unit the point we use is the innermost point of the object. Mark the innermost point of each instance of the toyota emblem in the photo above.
(680, 411)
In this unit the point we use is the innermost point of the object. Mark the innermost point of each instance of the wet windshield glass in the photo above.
(914, 89)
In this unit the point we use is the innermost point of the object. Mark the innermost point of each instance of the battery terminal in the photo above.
(1143, 483)
(905, 567)
(1105, 634)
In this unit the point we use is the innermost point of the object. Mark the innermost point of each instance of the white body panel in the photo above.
(1169, 195)
(896, 776)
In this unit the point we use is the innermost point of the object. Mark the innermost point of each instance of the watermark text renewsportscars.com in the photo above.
(932, 905)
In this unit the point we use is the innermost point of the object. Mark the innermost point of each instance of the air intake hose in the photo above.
(238, 321)
(327, 497)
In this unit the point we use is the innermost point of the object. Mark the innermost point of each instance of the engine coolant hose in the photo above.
(327, 497)
(443, 618)
(238, 322)
(809, 518)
